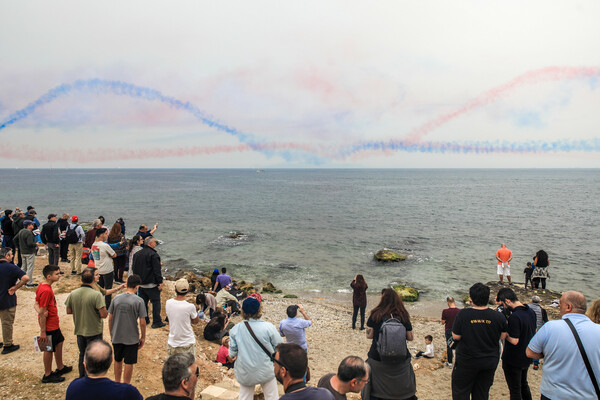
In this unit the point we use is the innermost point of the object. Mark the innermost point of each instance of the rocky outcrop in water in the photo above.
(407, 293)
(386, 255)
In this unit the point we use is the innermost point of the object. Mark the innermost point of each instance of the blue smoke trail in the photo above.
(119, 88)
(480, 147)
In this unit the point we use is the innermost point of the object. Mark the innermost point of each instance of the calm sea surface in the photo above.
(315, 229)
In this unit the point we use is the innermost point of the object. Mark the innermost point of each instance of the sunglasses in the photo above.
(197, 373)
(278, 362)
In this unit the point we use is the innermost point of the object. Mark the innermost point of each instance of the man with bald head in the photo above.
(504, 255)
(565, 375)
(96, 386)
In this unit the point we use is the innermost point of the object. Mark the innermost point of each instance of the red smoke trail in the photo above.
(103, 155)
(548, 74)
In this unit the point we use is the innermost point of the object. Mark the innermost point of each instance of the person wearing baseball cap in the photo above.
(181, 315)
(541, 317)
(75, 241)
(25, 241)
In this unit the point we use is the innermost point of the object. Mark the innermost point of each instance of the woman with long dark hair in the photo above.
(135, 245)
(216, 328)
(119, 262)
(359, 300)
(389, 380)
(540, 270)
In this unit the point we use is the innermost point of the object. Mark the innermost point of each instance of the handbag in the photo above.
(586, 361)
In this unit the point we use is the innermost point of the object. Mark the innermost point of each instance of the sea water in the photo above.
(315, 229)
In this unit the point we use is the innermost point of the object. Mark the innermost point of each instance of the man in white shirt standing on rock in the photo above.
(103, 255)
(181, 314)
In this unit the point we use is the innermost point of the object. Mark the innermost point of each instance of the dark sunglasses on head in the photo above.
(278, 362)
(197, 373)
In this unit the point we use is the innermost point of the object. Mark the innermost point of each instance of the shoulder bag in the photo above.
(585, 357)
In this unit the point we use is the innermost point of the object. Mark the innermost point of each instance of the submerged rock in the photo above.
(235, 235)
(388, 256)
(407, 293)
(270, 288)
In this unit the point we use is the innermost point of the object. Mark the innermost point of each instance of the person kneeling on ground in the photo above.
(289, 365)
(180, 376)
(429, 352)
(96, 386)
(352, 375)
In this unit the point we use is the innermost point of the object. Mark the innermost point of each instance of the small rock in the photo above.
(386, 255)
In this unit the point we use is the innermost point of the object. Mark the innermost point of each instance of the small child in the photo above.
(528, 271)
(223, 354)
(429, 351)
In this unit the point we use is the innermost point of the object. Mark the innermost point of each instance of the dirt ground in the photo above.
(330, 339)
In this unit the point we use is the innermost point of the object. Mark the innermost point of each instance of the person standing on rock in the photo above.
(254, 365)
(51, 238)
(63, 225)
(75, 237)
(50, 333)
(146, 264)
(504, 255)
(27, 247)
(293, 328)
(88, 309)
(359, 300)
(182, 314)
(103, 256)
(448, 316)
(123, 315)
(9, 274)
(222, 280)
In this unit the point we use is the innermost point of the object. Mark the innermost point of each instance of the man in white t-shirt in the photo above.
(103, 255)
(181, 314)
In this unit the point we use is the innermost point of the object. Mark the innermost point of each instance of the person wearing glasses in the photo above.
(352, 376)
(290, 362)
(180, 376)
(96, 385)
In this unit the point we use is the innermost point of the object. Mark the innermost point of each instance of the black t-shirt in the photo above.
(479, 346)
(325, 383)
(311, 393)
(521, 325)
(164, 396)
(373, 353)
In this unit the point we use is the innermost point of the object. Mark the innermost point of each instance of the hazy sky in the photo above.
(265, 84)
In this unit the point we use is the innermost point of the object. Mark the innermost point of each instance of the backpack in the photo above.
(72, 237)
(391, 343)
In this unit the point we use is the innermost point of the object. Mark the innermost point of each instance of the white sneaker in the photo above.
(447, 364)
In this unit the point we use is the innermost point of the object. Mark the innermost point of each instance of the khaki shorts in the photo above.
(184, 349)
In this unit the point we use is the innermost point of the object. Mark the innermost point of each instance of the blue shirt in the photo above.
(9, 275)
(564, 375)
(293, 330)
(253, 366)
(101, 389)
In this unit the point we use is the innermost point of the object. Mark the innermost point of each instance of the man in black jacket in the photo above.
(51, 238)
(146, 264)
(17, 225)
(63, 225)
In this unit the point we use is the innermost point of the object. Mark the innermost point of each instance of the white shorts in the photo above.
(504, 269)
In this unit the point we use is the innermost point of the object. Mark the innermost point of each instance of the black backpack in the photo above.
(391, 343)
(72, 237)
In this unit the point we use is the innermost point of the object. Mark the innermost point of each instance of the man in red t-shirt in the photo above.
(504, 255)
(49, 326)
(448, 317)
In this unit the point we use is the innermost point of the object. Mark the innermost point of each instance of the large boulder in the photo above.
(407, 293)
(386, 255)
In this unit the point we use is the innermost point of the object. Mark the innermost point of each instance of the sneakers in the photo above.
(536, 367)
(447, 364)
(31, 285)
(10, 349)
(73, 272)
(159, 325)
(52, 378)
(63, 370)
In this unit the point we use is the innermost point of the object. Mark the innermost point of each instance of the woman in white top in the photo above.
(135, 245)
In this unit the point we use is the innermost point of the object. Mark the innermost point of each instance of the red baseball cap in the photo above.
(74, 218)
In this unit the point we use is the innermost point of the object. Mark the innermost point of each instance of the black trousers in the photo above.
(106, 281)
(448, 335)
(82, 342)
(471, 383)
(64, 250)
(516, 379)
(362, 316)
(536, 283)
(53, 253)
(153, 295)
